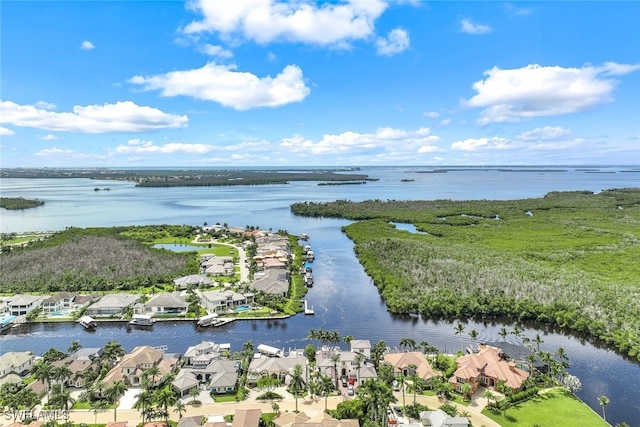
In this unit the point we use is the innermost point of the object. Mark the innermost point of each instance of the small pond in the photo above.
(407, 227)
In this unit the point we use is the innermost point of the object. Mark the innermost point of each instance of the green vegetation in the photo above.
(546, 409)
(94, 259)
(16, 203)
(568, 259)
(189, 178)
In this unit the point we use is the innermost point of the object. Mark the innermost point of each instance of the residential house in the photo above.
(185, 382)
(4, 306)
(166, 303)
(193, 421)
(112, 305)
(222, 301)
(361, 346)
(221, 375)
(300, 419)
(200, 355)
(16, 362)
(21, 305)
(272, 281)
(439, 418)
(77, 368)
(81, 301)
(277, 367)
(347, 364)
(132, 365)
(58, 302)
(247, 418)
(401, 363)
(217, 265)
(87, 353)
(192, 280)
(486, 368)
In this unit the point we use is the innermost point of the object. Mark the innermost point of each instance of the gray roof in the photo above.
(276, 281)
(193, 279)
(115, 300)
(87, 353)
(20, 299)
(185, 380)
(166, 300)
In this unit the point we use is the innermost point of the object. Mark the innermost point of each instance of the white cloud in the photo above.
(45, 105)
(220, 83)
(48, 137)
(383, 140)
(86, 45)
(517, 10)
(396, 41)
(445, 122)
(545, 134)
(55, 152)
(469, 27)
(536, 91)
(6, 131)
(122, 116)
(265, 21)
(432, 114)
(137, 146)
(271, 56)
(475, 144)
(215, 50)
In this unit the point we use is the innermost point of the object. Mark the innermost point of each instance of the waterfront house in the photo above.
(200, 355)
(16, 362)
(185, 382)
(221, 376)
(276, 367)
(401, 363)
(58, 302)
(21, 305)
(486, 368)
(77, 368)
(87, 353)
(439, 418)
(4, 306)
(272, 281)
(112, 305)
(361, 346)
(222, 301)
(217, 265)
(166, 303)
(247, 418)
(132, 365)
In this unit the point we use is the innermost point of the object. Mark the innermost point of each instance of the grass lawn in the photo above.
(546, 409)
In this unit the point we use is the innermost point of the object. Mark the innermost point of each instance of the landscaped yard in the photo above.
(546, 409)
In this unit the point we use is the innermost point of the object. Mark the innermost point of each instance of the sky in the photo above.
(297, 83)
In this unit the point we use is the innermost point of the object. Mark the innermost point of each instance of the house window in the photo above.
(483, 380)
(460, 380)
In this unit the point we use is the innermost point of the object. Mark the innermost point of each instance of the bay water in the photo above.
(343, 296)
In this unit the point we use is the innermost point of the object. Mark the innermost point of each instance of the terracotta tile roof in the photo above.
(401, 361)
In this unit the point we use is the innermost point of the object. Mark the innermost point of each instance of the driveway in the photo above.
(129, 399)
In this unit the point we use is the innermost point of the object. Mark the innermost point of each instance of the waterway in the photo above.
(343, 296)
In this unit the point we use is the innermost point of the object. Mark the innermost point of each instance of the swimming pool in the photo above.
(242, 308)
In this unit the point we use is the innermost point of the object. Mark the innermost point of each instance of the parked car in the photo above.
(350, 391)
(344, 380)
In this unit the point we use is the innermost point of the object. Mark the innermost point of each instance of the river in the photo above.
(343, 296)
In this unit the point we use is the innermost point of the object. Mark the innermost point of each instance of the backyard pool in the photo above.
(242, 308)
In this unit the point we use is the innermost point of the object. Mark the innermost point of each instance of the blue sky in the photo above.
(302, 83)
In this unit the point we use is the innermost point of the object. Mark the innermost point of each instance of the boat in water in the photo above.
(144, 320)
(208, 320)
(87, 322)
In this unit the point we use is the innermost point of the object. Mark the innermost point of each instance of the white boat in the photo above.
(141, 320)
(308, 279)
(304, 236)
(310, 256)
(87, 322)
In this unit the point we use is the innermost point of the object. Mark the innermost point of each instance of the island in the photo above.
(18, 203)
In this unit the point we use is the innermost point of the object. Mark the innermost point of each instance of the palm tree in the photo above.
(516, 331)
(413, 371)
(164, 398)
(114, 392)
(473, 334)
(538, 340)
(603, 401)
(112, 351)
(347, 339)
(459, 330)
(376, 396)
(144, 402)
(194, 393)
(335, 358)
(358, 360)
(179, 408)
(42, 371)
(489, 396)
(326, 385)
(97, 406)
(407, 342)
(73, 347)
(400, 380)
(503, 333)
(466, 391)
(297, 382)
(61, 374)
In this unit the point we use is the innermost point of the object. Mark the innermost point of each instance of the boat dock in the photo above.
(308, 311)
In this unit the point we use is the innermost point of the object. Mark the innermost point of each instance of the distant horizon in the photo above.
(306, 83)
